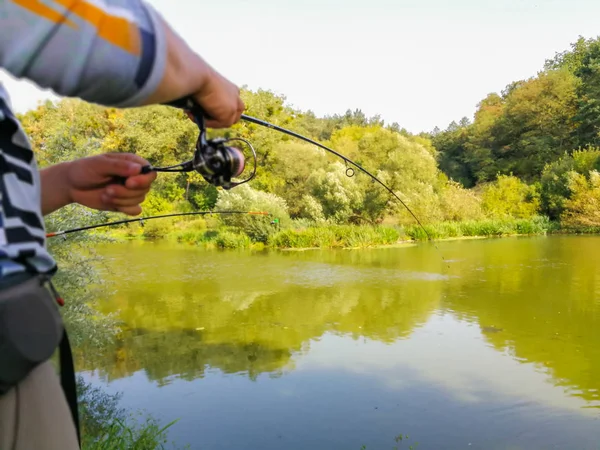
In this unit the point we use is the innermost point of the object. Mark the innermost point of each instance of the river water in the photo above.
(498, 347)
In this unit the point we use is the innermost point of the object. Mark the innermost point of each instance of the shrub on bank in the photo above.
(231, 240)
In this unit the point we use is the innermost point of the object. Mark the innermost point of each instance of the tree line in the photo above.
(544, 131)
(531, 150)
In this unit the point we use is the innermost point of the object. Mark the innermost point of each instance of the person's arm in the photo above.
(54, 191)
(114, 53)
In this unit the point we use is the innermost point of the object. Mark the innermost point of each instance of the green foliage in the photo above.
(555, 179)
(78, 278)
(482, 228)
(157, 229)
(533, 124)
(155, 204)
(458, 203)
(518, 132)
(587, 117)
(292, 163)
(230, 240)
(582, 209)
(335, 236)
(572, 59)
(511, 161)
(510, 197)
(245, 198)
(339, 195)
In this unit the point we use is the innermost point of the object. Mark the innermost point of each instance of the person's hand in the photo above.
(220, 99)
(92, 182)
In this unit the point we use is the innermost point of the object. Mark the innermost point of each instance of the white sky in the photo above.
(421, 63)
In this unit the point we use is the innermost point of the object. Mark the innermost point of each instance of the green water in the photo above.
(499, 348)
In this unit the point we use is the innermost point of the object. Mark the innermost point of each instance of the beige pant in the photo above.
(35, 416)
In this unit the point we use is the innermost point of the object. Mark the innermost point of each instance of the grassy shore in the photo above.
(202, 233)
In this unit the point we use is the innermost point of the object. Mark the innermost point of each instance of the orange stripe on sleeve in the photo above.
(116, 30)
(38, 8)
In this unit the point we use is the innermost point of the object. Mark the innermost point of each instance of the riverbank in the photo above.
(203, 233)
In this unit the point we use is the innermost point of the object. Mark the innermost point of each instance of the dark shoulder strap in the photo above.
(68, 381)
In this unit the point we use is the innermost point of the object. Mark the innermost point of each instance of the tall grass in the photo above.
(121, 435)
(335, 236)
(332, 236)
(306, 235)
(482, 228)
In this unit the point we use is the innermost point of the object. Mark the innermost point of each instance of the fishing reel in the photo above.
(214, 159)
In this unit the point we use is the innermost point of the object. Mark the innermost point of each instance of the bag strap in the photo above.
(68, 381)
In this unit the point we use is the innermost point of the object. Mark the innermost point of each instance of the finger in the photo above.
(130, 210)
(223, 122)
(110, 166)
(127, 157)
(139, 182)
(122, 202)
(118, 195)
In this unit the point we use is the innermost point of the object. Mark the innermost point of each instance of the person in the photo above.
(115, 53)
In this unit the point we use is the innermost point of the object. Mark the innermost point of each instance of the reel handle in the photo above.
(145, 170)
(189, 105)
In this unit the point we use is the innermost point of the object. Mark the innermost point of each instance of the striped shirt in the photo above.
(109, 52)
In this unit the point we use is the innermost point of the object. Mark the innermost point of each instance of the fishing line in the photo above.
(142, 219)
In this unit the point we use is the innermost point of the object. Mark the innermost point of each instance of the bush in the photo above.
(583, 208)
(556, 178)
(231, 240)
(458, 203)
(154, 205)
(510, 197)
(244, 198)
(157, 229)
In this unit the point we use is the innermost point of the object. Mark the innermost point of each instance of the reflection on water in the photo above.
(495, 348)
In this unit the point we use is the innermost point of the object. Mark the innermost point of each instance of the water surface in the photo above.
(496, 348)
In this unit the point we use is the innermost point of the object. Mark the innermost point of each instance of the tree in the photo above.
(582, 209)
(587, 117)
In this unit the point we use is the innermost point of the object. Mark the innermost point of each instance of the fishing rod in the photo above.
(142, 219)
(218, 163)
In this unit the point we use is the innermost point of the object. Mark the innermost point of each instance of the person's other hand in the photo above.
(92, 182)
(220, 99)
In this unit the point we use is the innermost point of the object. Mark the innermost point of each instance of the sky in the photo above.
(420, 63)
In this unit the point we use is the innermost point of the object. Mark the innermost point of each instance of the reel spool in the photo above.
(217, 162)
